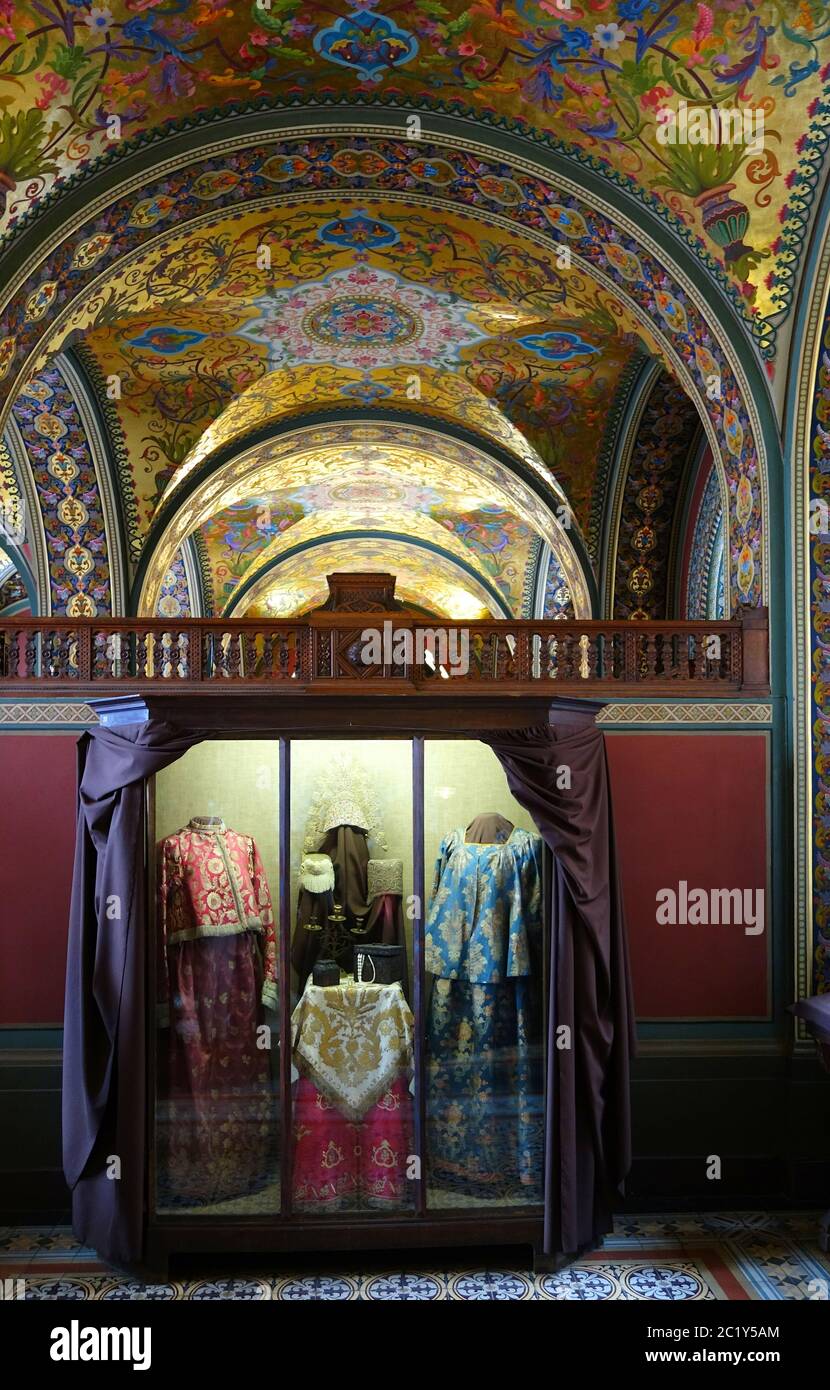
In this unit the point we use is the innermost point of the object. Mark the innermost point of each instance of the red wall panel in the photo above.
(37, 838)
(686, 806)
(692, 807)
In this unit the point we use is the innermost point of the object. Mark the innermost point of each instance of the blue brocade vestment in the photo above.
(483, 946)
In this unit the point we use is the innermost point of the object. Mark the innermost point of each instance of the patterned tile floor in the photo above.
(737, 1256)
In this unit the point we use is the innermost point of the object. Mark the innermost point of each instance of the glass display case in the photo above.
(348, 1004)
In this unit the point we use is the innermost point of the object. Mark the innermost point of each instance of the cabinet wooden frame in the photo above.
(285, 1232)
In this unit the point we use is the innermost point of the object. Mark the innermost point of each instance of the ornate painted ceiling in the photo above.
(448, 500)
(299, 584)
(595, 78)
(357, 291)
(479, 220)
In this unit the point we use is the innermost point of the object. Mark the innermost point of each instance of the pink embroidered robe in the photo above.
(217, 968)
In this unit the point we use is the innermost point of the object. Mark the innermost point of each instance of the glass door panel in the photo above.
(216, 981)
(483, 953)
(352, 1027)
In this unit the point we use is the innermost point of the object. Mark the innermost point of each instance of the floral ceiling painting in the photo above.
(298, 584)
(189, 325)
(406, 483)
(601, 80)
(433, 499)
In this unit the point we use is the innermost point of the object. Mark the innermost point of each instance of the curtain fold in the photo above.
(104, 1047)
(562, 781)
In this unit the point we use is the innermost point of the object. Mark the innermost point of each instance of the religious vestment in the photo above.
(483, 947)
(217, 968)
(352, 1047)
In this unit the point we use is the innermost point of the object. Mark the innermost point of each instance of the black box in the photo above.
(382, 965)
(326, 972)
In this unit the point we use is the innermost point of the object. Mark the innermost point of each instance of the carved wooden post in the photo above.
(755, 644)
(84, 650)
(194, 653)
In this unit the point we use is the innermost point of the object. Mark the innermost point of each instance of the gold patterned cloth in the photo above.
(352, 1041)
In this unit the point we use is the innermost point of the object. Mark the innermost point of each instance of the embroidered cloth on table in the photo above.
(352, 1041)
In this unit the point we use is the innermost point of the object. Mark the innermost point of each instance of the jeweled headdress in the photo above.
(344, 797)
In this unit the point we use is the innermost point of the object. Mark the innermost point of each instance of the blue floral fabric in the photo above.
(484, 1068)
(486, 903)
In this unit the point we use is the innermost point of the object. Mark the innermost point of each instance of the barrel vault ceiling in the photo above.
(205, 333)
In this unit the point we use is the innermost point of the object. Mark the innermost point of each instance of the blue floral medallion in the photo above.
(167, 340)
(369, 43)
(359, 232)
(558, 347)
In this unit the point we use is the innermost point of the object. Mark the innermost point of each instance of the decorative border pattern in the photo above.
(705, 534)
(557, 600)
(763, 331)
(819, 669)
(60, 456)
(174, 597)
(665, 435)
(24, 713)
(740, 714)
(116, 445)
(202, 559)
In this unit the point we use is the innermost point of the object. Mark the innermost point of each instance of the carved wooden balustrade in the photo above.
(383, 653)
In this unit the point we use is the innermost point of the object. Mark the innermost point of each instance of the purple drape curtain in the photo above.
(561, 778)
(104, 1051)
(104, 1078)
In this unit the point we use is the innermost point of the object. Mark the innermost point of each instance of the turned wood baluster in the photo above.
(249, 641)
(222, 654)
(289, 656)
(268, 655)
(649, 663)
(534, 651)
(11, 652)
(141, 655)
(192, 662)
(99, 651)
(31, 649)
(592, 657)
(50, 654)
(209, 655)
(234, 657)
(569, 665)
(510, 665)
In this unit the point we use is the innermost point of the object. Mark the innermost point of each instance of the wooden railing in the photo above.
(382, 653)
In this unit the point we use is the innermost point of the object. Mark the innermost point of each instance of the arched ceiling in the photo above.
(449, 500)
(435, 583)
(592, 77)
(487, 256)
(360, 289)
